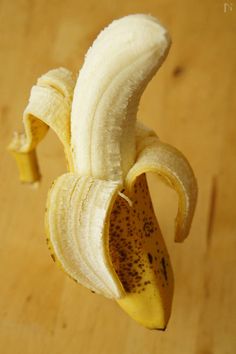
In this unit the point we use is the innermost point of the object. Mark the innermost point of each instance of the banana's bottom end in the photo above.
(149, 314)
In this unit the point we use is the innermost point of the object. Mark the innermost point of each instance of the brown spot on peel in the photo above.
(164, 268)
(150, 258)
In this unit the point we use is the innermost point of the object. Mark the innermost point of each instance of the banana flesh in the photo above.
(117, 68)
(100, 223)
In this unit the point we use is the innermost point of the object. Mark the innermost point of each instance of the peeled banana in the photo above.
(100, 223)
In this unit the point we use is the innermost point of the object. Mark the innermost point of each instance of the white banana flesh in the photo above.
(100, 224)
(117, 68)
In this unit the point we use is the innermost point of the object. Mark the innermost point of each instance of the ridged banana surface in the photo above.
(100, 223)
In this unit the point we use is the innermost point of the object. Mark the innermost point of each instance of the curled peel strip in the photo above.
(49, 106)
(173, 167)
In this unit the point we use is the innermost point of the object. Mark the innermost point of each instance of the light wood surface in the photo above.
(191, 103)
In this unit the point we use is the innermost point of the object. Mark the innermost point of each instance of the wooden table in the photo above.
(191, 103)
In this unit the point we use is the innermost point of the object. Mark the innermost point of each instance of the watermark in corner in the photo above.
(228, 6)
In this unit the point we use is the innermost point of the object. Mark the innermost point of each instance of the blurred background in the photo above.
(191, 103)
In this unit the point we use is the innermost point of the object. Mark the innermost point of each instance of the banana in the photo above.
(100, 223)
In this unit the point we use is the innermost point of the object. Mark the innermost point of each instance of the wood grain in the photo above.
(191, 103)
